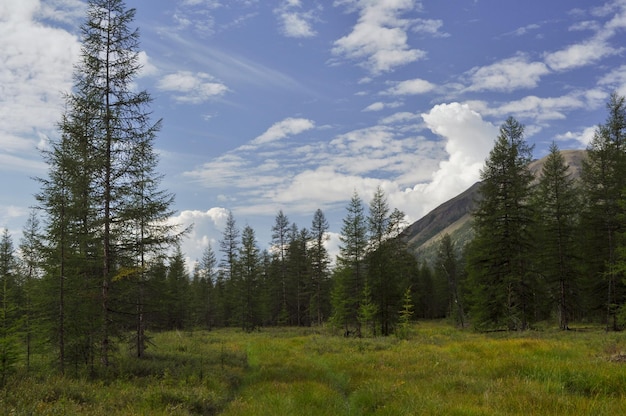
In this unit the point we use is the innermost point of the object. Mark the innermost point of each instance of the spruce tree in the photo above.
(499, 269)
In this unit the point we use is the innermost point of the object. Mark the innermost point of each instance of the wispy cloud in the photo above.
(285, 128)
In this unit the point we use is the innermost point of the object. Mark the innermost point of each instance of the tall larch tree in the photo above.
(604, 184)
(9, 308)
(102, 169)
(381, 279)
(280, 242)
(247, 283)
(320, 267)
(31, 255)
(499, 255)
(558, 205)
(447, 265)
(349, 275)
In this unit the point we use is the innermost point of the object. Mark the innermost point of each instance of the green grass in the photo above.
(439, 370)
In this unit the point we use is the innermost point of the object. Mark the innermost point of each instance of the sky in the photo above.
(294, 105)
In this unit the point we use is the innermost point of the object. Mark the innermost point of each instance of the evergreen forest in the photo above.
(99, 267)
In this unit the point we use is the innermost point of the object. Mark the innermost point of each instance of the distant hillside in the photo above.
(453, 217)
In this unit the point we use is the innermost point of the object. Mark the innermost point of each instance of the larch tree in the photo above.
(558, 205)
(280, 242)
(499, 255)
(380, 275)
(248, 281)
(102, 170)
(349, 276)
(604, 184)
(31, 254)
(447, 265)
(9, 308)
(320, 264)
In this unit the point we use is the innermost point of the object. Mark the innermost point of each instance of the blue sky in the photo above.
(294, 104)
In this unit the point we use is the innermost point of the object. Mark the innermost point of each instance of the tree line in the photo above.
(99, 265)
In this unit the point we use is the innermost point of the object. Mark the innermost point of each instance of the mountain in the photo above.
(453, 217)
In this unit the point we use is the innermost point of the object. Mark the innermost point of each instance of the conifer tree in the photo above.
(604, 183)
(280, 232)
(350, 279)
(31, 254)
(105, 210)
(319, 266)
(447, 265)
(499, 255)
(557, 204)
(9, 308)
(248, 281)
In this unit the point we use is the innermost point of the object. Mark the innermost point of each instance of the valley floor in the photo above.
(288, 371)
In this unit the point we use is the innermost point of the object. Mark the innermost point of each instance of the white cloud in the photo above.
(615, 80)
(206, 229)
(583, 136)
(192, 88)
(429, 26)
(468, 141)
(378, 106)
(285, 128)
(411, 87)
(147, 67)
(580, 54)
(379, 39)
(295, 23)
(507, 75)
(540, 108)
(36, 66)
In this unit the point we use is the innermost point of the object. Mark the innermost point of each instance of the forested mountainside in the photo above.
(453, 217)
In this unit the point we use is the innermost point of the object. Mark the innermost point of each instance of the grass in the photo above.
(439, 370)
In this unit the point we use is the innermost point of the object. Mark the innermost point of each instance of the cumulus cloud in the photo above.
(507, 75)
(468, 138)
(192, 88)
(285, 128)
(379, 39)
(206, 228)
(294, 22)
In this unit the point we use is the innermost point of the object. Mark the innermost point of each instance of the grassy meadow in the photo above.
(294, 371)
